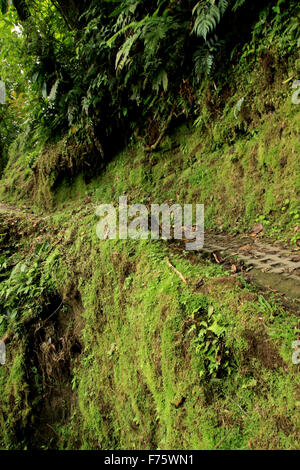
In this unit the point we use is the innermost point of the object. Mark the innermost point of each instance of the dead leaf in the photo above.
(233, 268)
(155, 274)
(216, 258)
(5, 338)
(246, 247)
(259, 228)
(180, 402)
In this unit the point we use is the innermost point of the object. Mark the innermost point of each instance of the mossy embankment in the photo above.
(106, 335)
(128, 356)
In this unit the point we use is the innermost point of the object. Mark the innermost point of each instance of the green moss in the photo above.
(144, 379)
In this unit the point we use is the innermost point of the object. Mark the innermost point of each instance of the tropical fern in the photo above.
(123, 53)
(238, 4)
(208, 15)
(204, 57)
(203, 60)
(161, 79)
(223, 5)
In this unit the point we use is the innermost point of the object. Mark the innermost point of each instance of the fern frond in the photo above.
(123, 53)
(161, 79)
(238, 4)
(203, 60)
(134, 25)
(206, 20)
(223, 5)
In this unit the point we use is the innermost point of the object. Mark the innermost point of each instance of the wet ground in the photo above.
(271, 265)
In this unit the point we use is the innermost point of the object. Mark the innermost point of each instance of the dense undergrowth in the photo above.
(107, 348)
